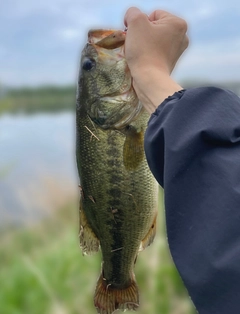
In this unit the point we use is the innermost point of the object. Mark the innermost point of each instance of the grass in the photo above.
(41, 99)
(42, 271)
(56, 98)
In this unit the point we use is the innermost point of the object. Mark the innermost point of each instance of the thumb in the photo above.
(132, 14)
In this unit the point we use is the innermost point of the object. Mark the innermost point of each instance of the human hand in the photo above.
(153, 45)
(158, 39)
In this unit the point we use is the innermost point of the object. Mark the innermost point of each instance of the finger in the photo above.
(157, 15)
(132, 14)
(185, 42)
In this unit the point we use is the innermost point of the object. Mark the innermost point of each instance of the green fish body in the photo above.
(118, 204)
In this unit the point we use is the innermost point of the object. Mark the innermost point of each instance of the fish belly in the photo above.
(118, 210)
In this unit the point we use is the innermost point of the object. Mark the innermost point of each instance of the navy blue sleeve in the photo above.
(192, 145)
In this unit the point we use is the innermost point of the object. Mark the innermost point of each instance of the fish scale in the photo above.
(98, 181)
(118, 192)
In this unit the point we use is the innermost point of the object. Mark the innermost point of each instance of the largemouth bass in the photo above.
(118, 204)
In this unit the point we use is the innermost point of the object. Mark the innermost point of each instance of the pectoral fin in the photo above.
(150, 236)
(133, 150)
(89, 243)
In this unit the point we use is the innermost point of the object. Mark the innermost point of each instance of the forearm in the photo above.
(153, 86)
(153, 46)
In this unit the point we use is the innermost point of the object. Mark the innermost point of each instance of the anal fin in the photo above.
(148, 239)
(89, 243)
(108, 299)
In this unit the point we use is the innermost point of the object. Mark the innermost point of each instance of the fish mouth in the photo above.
(109, 45)
(107, 39)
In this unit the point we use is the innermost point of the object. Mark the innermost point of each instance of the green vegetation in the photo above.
(31, 100)
(43, 271)
(56, 98)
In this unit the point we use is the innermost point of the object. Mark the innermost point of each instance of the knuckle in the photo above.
(132, 16)
(182, 25)
(138, 17)
(186, 41)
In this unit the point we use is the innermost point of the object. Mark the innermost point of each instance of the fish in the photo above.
(118, 193)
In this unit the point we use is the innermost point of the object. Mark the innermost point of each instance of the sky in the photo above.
(41, 41)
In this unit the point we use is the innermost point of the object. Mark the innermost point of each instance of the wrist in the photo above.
(152, 86)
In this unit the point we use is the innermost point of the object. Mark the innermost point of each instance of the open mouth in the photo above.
(107, 39)
(109, 45)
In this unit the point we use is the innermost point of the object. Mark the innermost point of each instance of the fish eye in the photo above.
(88, 64)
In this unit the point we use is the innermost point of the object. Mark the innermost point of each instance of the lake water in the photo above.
(37, 165)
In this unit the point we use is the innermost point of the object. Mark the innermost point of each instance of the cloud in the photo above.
(40, 41)
(69, 33)
(214, 62)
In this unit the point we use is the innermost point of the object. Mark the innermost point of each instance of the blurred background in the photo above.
(41, 266)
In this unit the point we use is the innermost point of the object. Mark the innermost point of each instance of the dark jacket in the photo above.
(192, 145)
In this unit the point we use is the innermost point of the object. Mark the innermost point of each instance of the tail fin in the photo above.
(108, 299)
